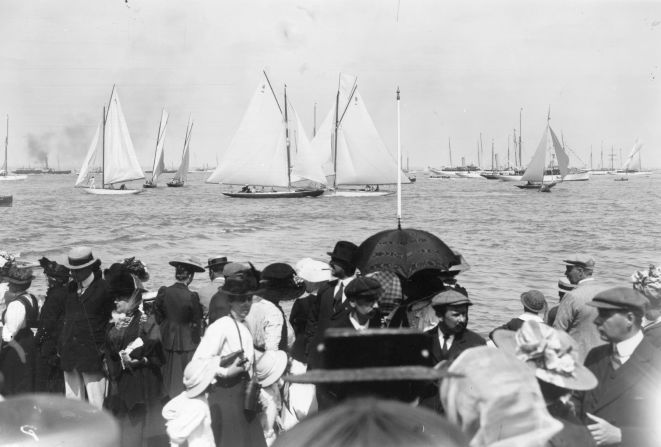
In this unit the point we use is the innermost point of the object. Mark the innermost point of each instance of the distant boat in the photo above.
(159, 154)
(4, 172)
(119, 163)
(57, 171)
(534, 174)
(6, 200)
(359, 159)
(626, 170)
(270, 150)
(182, 173)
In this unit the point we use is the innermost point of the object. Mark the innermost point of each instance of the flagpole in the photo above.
(399, 169)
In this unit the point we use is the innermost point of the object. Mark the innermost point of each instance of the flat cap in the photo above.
(364, 287)
(580, 260)
(450, 297)
(620, 298)
(234, 267)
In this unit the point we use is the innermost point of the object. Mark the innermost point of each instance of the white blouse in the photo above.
(14, 320)
(222, 338)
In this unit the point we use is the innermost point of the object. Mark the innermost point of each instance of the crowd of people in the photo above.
(319, 353)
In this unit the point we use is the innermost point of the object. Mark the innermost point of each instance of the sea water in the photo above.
(514, 240)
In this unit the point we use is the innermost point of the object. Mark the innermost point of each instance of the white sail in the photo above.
(89, 158)
(159, 155)
(321, 145)
(362, 156)
(563, 158)
(305, 165)
(257, 154)
(120, 162)
(634, 151)
(535, 170)
(182, 172)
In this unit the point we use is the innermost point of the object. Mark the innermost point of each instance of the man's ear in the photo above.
(352, 304)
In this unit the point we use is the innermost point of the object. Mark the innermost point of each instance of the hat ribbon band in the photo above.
(81, 261)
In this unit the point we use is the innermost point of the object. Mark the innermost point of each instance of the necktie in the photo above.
(445, 348)
(616, 362)
(337, 300)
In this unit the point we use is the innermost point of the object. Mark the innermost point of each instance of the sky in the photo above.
(465, 69)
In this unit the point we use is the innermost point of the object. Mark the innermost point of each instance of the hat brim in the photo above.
(527, 306)
(605, 305)
(19, 281)
(372, 374)
(81, 266)
(197, 268)
(216, 264)
(282, 293)
(581, 380)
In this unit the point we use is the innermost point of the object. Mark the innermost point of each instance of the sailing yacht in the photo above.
(270, 150)
(359, 160)
(182, 172)
(534, 174)
(627, 169)
(4, 172)
(119, 163)
(159, 154)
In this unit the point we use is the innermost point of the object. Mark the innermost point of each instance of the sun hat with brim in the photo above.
(190, 262)
(648, 282)
(18, 275)
(79, 258)
(241, 284)
(372, 355)
(121, 282)
(216, 260)
(624, 298)
(312, 270)
(533, 300)
(199, 373)
(278, 282)
(270, 366)
(553, 355)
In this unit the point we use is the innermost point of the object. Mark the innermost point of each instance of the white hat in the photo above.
(79, 258)
(199, 373)
(312, 270)
(270, 367)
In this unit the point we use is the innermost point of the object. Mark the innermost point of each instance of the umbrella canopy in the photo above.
(405, 252)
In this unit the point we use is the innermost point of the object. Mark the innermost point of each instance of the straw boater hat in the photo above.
(216, 261)
(79, 258)
(190, 263)
(551, 353)
(279, 282)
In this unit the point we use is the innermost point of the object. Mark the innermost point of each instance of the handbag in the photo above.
(252, 386)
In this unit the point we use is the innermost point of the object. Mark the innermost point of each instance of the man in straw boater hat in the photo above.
(87, 310)
(179, 315)
(574, 315)
(48, 374)
(17, 353)
(564, 287)
(623, 409)
(215, 266)
(385, 363)
(552, 355)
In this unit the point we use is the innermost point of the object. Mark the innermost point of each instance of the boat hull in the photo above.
(6, 200)
(275, 194)
(112, 192)
(443, 176)
(149, 185)
(12, 177)
(361, 193)
(537, 186)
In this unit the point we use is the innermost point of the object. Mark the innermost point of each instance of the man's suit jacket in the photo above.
(345, 322)
(627, 397)
(653, 334)
(320, 319)
(462, 341)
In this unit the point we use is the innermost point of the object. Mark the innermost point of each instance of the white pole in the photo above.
(399, 169)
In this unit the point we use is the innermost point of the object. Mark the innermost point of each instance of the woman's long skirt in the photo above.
(173, 371)
(18, 368)
(231, 425)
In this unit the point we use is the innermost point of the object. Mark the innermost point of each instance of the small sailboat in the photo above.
(182, 173)
(159, 154)
(626, 168)
(359, 159)
(270, 150)
(4, 172)
(534, 174)
(119, 163)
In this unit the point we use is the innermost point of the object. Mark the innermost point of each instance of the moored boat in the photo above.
(6, 200)
(182, 172)
(4, 171)
(159, 153)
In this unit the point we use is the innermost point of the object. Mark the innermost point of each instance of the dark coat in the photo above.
(85, 321)
(320, 319)
(653, 334)
(625, 397)
(48, 375)
(573, 433)
(344, 322)
(513, 325)
(298, 317)
(219, 306)
(179, 315)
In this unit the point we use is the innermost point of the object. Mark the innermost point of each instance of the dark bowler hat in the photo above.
(217, 260)
(624, 298)
(364, 288)
(580, 260)
(533, 300)
(344, 251)
(278, 282)
(450, 297)
(80, 257)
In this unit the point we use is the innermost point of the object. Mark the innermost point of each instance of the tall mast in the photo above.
(517, 162)
(479, 152)
(337, 125)
(591, 157)
(6, 147)
(103, 145)
(450, 151)
(287, 142)
(314, 124)
(508, 153)
(399, 169)
(520, 147)
(492, 155)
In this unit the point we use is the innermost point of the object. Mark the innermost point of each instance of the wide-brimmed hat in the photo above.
(312, 270)
(279, 282)
(53, 269)
(533, 300)
(241, 283)
(79, 258)
(553, 354)
(270, 366)
(648, 282)
(216, 261)
(344, 251)
(18, 275)
(199, 373)
(190, 263)
(372, 355)
(620, 298)
(121, 281)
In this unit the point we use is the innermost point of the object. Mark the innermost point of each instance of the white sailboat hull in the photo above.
(112, 192)
(12, 177)
(359, 193)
